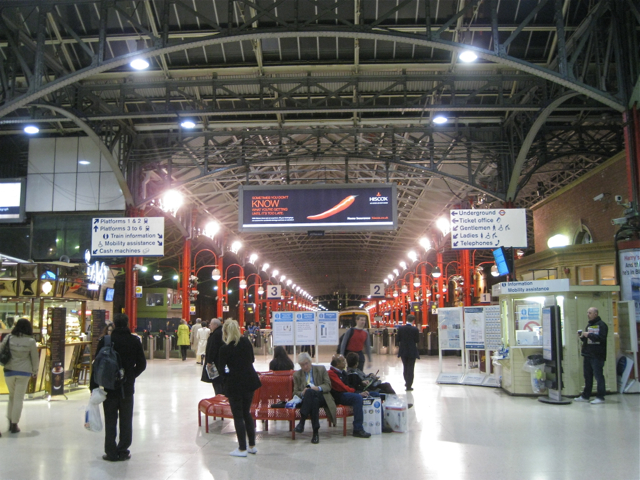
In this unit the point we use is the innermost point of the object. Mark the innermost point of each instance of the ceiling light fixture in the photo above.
(139, 64)
(467, 56)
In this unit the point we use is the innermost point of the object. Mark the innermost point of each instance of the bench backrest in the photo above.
(276, 387)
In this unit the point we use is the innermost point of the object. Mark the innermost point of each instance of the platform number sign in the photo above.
(274, 292)
(376, 289)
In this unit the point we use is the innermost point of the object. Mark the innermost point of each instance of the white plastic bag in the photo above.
(294, 402)
(395, 413)
(92, 418)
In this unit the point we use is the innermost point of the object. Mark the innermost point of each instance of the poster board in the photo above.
(492, 328)
(305, 328)
(282, 328)
(327, 325)
(450, 328)
(474, 328)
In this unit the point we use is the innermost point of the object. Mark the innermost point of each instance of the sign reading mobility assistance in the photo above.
(491, 228)
(127, 237)
(350, 207)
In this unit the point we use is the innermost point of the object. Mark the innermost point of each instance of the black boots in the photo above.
(13, 428)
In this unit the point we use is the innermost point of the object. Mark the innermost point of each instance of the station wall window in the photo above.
(607, 274)
(586, 275)
(155, 300)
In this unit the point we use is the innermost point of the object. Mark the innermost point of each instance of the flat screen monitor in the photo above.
(108, 294)
(12, 200)
(500, 257)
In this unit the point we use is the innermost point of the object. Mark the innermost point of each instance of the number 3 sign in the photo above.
(274, 292)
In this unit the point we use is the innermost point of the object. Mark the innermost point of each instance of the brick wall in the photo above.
(574, 206)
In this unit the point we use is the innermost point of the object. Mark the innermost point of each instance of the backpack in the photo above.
(107, 367)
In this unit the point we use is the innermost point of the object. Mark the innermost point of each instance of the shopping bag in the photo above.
(92, 418)
(372, 415)
(395, 413)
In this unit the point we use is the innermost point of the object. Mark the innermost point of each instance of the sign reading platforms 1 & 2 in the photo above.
(127, 237)
(490, 228)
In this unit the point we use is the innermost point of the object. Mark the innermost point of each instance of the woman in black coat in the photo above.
(240, 382)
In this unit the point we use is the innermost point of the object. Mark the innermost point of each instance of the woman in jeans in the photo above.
(22, 366)
(240, 382)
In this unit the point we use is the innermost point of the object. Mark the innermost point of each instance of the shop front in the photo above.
(68, 306)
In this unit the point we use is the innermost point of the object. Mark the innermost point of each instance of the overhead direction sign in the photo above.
(127, 237)
(490, 228)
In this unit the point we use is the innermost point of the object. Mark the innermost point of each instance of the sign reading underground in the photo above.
(488, 228)
(297, 208)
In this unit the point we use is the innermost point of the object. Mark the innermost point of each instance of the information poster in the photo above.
(529, 316)
(630, 278)
(450, 328)
(305, 328)
(547, 344)
(492, 328)
(56, 339)
(474, 328)
(328, 333)
(282, 328)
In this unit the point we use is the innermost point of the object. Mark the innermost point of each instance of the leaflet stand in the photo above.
(629, 346)
(451, 337)
(552, 353)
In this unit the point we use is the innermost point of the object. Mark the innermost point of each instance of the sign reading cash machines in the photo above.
(348, 207)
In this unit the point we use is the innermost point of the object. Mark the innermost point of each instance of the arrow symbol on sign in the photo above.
(455, 236)
(95, 251)
(160, 244)
(453, 212)
(455, 228)
(95, 229)
(455, 244)
(455, 220)
(96, 220)
(159, 235)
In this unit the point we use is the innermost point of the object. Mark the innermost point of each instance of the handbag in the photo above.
(5, 354)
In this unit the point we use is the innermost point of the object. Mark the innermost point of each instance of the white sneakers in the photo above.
(595, 401)
(243, 453)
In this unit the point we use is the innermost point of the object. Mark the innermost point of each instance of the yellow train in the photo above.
(347, 317)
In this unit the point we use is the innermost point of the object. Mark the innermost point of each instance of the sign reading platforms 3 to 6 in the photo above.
(127, 237)
(488, 228)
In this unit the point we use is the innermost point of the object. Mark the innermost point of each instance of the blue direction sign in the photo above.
(127, 237)
(490, 228)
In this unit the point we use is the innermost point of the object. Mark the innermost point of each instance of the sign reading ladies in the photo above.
(347, 207)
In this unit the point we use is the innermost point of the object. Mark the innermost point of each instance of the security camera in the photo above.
(618, 198)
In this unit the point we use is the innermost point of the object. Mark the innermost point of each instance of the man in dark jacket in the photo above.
(408, 338)
(119, 402)
(594, 351)
(212, 353)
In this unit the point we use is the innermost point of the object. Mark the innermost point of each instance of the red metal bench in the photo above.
(276, 387)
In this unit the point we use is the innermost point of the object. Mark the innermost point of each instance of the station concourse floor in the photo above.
(455, 432)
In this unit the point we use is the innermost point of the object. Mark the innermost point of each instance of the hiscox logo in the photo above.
(378, 200)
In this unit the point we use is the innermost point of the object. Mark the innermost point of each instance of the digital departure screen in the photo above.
(348, 207)
(12, 200)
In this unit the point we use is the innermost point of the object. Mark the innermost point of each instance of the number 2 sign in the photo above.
(376, 289)
(274, 292)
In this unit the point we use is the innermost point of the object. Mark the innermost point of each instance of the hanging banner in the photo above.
(56, 339)
(450, 328)
(305, 328)
(474, 328)
(630, 277)
(282, 328)
(328, 332)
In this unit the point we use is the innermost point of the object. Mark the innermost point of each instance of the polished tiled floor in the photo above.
(456, 432)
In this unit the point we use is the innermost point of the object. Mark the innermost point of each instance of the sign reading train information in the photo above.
(127, 237)
(488, 228)
(348, 207)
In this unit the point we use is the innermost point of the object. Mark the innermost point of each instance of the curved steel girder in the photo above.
(104, 150)
(431, 172)
(513, 62)
(528, 141)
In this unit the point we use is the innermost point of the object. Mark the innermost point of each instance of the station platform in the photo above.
(455, 432)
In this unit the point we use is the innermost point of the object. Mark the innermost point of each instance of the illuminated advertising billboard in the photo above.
(344, 208)
(12, 200)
